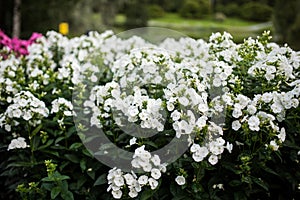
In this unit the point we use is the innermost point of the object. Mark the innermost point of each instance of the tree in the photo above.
(286, 22)
(17, 19)
(136, 13)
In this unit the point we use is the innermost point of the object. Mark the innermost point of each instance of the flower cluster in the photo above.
(218, 98)
(17, 45)
(142, 159)
(24, 106)
(18, 143)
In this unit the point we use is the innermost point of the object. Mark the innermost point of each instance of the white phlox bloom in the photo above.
(18, 143)
(180, 180)
(25, 106)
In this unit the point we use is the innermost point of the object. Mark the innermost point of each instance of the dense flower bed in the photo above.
(191, 119)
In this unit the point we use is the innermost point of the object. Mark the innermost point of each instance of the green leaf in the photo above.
(73, 158)
(75, 146)
(36, 130)
(235, 183)
(260, 183)
(48, 179)
(150, 143)
(101, 180)
(55, 191)
(55, 153)
(146, 194)
(35, 142)
(45, 145)
(67, 195)
(83, 165)
(59, 139)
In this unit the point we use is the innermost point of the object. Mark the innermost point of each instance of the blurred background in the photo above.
(195, 18)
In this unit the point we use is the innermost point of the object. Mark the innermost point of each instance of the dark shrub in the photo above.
(155, 11)
(255, 11)
(194, 9)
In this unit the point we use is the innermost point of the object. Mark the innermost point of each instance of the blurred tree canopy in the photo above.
(286, 19)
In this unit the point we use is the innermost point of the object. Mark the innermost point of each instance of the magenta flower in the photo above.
(17, 45)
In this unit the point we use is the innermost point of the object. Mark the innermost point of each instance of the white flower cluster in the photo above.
(62, 105)
(18, 143)
(214, 148)
(143, 159)
(25, 106)
(9, 70)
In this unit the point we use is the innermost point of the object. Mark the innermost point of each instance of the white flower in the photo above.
(155, 173)
(170, 106)
(180, 180)
(7, 127)
(213, 159)
(267, 97)
(251, 109)
(129, 179)
(155, 160)
(281, 136)
(276, 108)
(237, 112)
(274, 146)
(153, 183)
(143, 180)
(119, 181)
(18, 143)
(229, 147)
(175, 115)
(195, 148)
(117, 194)
(236, 125)
(133, 193)
(132, 141)
(253, 123)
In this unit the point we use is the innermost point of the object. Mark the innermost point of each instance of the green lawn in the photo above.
(202, 28)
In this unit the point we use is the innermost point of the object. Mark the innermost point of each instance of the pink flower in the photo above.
(17, 45)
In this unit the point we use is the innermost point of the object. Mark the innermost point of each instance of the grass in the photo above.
(202, 28)
(207, 22)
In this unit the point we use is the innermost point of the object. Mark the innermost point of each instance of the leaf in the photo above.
(35, 142)
(80, 182)
(260, 183)
(67, 195)
(146, 194)
(59, 139)
(36, 130)
(235, 183)
(101, 180)
(45, 145)
(55, 153)
(75, 146)
(83, 165)
(150, 143)
(55, 191)
(73, 158)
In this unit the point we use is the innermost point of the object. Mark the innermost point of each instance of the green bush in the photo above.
(255, 11)
(56, 102)
(194, 9)
(136, 14)
(232, 10)
(155, 11)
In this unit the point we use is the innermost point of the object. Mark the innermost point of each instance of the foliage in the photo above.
(256, 12)
(194, 8)
(136, 13)
(253, 86)
(155, 11)
(232, 9)
(286, 22)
